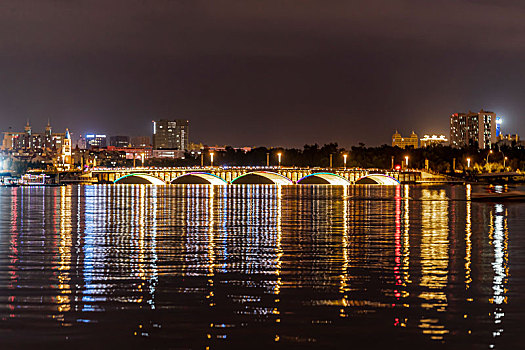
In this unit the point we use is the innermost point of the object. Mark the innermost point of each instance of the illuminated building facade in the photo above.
(404, 142)
(66, 153)
(434, 140)
(510, 140)
(170, 134)
(31, 141)
(168, 153)
(96, 140)
(498, 126)
(133, 152)
(473, 128)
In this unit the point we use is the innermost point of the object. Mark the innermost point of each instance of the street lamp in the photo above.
(211, 157)
(504, 161)
(490, 152)
(406, 162)
(279, 157)
(344, 159)
(468, 162)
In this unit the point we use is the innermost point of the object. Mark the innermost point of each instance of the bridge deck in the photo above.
(230, 174)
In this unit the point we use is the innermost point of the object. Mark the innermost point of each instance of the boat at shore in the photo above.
(37, 180)
(499, 196)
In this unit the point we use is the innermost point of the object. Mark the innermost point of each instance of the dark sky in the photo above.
(261, 72)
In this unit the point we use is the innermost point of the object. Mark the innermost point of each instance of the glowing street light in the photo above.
(344, 159)
(468, 162)
(504, 161)
(406, 161)
(279, 157)
(490, 152)
(142, 156)
(211, 157)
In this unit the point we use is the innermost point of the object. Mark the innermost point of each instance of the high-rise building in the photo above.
(473, 129)
(404, 142)
(119, 141)
(140, 141)
(170, 134)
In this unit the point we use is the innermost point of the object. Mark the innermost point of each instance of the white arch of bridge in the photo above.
(262, 177)
(377, 179)
(198, 178)
(323, 179)
(139, 179)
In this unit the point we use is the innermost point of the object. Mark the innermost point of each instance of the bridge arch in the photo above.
(262, 178)
(199, 179)
(323, 179)
(377, 179)
(139, 179)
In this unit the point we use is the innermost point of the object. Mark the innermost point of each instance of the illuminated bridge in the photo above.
(252, 175)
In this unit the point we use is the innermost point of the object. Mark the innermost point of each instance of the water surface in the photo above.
(260, 266)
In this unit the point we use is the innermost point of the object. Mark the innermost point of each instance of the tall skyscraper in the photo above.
(469, 129)
(170, 134)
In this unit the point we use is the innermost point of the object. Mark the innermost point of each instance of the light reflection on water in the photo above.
(211, 266)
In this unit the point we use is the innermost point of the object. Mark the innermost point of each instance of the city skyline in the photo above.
(261, 73)
(81, 135)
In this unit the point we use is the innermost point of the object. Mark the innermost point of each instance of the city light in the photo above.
(279, 157)
(428, 140)
(211, 158)
(468, 162)
(406, 161)
(344, 159)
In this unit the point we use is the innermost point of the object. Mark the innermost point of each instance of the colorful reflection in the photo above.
(434, 260)
(499, 240)
(222, 266)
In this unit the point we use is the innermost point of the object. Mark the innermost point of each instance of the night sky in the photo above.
(261, 72)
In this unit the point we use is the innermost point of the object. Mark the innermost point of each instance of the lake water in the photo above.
(133, 266)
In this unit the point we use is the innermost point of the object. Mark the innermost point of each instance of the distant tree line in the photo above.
(440, 158)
